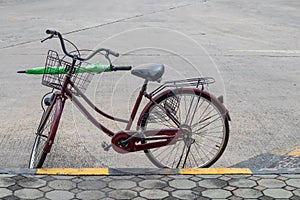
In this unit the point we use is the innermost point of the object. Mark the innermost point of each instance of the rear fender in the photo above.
(166, 92)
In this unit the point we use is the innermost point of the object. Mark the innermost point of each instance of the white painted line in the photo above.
(269, 51)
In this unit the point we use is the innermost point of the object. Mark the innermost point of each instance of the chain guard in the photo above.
(152, 139)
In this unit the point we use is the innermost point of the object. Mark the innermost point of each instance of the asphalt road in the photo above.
(252, 48)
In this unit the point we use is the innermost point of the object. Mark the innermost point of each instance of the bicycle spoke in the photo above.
(203, 141)
(207, 124)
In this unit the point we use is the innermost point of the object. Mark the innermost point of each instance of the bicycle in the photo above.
(181, 126)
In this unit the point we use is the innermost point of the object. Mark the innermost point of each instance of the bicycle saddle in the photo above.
(150, 72)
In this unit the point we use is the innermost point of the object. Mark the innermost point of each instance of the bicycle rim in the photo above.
(207, 125)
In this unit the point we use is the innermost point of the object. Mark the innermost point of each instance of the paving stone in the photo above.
(154, 194)
(28, 193)
(168, 189)
(148, 177)
(153, 184)
(45, 189)
(271, 183)
(295, 198)
(89, 195)
(77, 180)
(182, 184)
(181, 176)
(35, 176)
(62, 184)
(195, 178)
(235, 198)
(289, 188)
(75, 190)
(14, 187)
(209, 176)
(91, 185)
(254, 178)
(122, 194)
(123, 177)
(17, 178)
(292, 176)
(6, 182)
(282, 178)
(229, 188)
(247, 193)
(225, 178)
(297, 192)
(242, 183)
(61, 177)
(278, 193)
(5, 192)
(48, 178)
(11, 198)
(185, 194)
(92, 178)
(265, 198)
(136, 179)
(171, 198)
(122, 184)
(6, 175)
(198, 189)
(166, 178)
(138, 189)
(259, 188)
(108, 198)
(267, 176)
(106, 190)
(139, 198)
(294, 182)
(59, 194)
(240, 176)
(216, 193)
(30, 182)
(212, 183)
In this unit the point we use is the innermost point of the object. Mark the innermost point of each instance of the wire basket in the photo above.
(80, 80)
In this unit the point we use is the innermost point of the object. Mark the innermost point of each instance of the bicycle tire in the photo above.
(193, 150)
(46, 133)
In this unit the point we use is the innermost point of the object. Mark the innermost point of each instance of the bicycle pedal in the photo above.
(105, 146)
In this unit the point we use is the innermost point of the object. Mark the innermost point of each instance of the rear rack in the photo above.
(192, 82)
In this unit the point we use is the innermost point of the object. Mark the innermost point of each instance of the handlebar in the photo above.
(122, 68)
(56, 33)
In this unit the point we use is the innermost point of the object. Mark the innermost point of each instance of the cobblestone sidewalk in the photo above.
(259, 186)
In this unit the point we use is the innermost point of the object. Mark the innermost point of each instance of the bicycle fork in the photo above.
(58, 102)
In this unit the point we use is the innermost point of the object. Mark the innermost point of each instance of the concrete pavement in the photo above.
(254, 47)
(149, 184)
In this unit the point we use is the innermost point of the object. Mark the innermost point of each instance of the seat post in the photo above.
(137, 104)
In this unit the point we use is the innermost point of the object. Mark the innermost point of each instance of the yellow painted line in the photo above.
(215, 171)
(73, 171)
(294, 153)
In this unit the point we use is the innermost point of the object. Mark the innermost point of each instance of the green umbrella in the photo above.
(95, 68)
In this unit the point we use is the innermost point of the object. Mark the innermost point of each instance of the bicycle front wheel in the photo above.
(46, 133)
(205, 121)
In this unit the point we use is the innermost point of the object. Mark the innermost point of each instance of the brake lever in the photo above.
(107, 57)
(50, 37)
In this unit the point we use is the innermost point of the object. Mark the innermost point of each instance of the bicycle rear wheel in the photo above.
(204, 118)
(46, 133)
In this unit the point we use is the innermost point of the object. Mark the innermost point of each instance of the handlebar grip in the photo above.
(113, 53)
(52, 32)
(123, 68)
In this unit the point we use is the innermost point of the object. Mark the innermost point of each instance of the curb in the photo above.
(145, 171)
